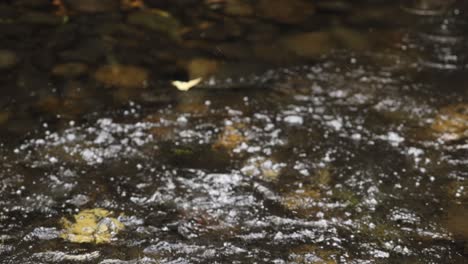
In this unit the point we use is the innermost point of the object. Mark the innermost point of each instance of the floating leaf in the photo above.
(185, 86)
(91, 226)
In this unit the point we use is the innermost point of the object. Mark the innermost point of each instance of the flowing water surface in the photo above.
(338, 136)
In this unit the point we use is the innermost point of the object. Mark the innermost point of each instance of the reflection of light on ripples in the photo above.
(446, 43)
(441, 40)
(426, 7)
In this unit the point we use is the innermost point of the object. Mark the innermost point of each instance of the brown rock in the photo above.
(287, 12)
(8, 59)
(93, 6)
(452, 122)
(4, 117)
(157, 20)
(310, 44)
(273, 53)
(124, 76)
(70, 70)
(351, 39)
(238, 8)
(40, 18)
(201, 67)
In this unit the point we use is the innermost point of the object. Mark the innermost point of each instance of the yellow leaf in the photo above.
(185, 86)
(91, 226)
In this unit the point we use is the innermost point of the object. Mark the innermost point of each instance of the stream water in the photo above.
(337, 136)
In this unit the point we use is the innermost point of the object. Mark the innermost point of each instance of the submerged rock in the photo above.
(238, 8)
(124, 76)
(33, 3)
(91, 226)
(4, 117)
(201, 67)
(41, 18)
(70, 70)
(456, 222)
(452, 122)
(8, 59)
(287, 12)
(351, 39)
(231, 137)
(156, 20)
(93, 6)
(310, 44)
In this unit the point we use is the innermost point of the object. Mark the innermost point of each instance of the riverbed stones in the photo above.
(4, 116)
(70, 70)
(88, 51)
(122, 76)
(286, 12)
(452, 122)
(40, 18)
(202, 67)
(157, 20)
(309, 44)
(351, 39)
(93, 6)
(8, 59)
(238, 8)
(456, 222)
(335, 6)
(33, 3)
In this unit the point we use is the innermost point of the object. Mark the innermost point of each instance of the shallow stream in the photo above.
(333, 136)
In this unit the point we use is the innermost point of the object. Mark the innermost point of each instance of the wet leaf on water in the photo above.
(185, 86)
(91, 226)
